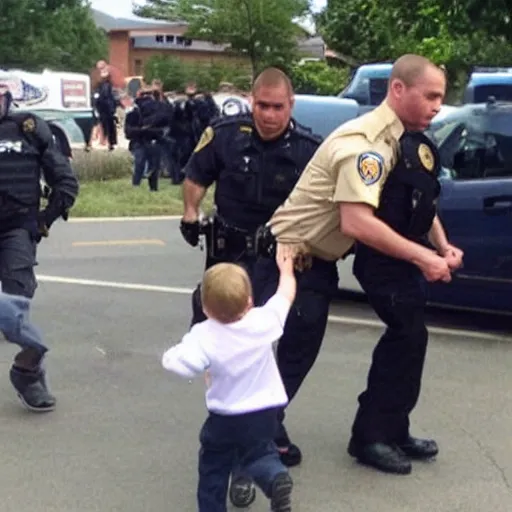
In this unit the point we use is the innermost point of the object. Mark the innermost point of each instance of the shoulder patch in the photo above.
(370, 166)
(29, 125)
(426, 156)
(205, 139)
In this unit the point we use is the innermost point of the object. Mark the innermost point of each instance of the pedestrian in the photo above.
(27, 153)
(335, 203)
(245, 391)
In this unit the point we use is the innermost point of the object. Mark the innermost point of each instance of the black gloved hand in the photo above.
(190, 232)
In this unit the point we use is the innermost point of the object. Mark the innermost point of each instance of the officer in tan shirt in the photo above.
(333, 204)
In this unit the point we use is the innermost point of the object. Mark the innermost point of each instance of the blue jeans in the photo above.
(248, 438)
(146, 160)
(15, 324)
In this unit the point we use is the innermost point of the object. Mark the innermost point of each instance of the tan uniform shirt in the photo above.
(350, 166)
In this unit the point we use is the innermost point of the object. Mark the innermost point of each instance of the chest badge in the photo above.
(426, 157)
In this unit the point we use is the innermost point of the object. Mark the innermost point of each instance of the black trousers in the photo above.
(394, 380)
(108, 126)
(300, 344)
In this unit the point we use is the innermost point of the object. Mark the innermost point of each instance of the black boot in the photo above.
(32, 389)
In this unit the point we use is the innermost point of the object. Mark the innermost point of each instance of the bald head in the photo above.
(410, 68)
(272, 78)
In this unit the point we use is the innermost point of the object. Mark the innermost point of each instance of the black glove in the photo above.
(190, 232)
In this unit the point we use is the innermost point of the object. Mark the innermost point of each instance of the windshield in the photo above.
(501, 92)
(476, 144)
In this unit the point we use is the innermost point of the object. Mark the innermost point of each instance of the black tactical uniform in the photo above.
(253, 177)
(27, 154)
(396, 291)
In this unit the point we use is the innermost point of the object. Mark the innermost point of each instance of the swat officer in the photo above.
(27, 153)
(255, 161)
(334, 203)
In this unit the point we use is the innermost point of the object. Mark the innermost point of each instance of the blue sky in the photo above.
(124, 7)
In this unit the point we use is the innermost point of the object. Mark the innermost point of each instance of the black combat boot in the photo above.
(32, 389)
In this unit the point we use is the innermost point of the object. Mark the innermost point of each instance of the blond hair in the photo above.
(226, 292)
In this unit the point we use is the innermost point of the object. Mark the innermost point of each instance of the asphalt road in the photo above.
(114, 295)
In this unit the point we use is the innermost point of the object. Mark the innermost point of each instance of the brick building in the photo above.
(133, 40)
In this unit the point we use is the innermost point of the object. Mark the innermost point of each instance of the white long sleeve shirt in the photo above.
(239, 357)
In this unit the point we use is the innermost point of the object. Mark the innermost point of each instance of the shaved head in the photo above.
(416, 90)
(410, 68)
(272, 77)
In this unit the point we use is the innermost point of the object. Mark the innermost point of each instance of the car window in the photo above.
(476, 146)
(501, 92)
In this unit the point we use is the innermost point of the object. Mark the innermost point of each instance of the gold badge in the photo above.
(29, 125)
(205, 139)
(426, 157)
(246, 129)
(369, 167)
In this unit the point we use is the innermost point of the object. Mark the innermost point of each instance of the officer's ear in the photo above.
(292, 101)
(396, 87)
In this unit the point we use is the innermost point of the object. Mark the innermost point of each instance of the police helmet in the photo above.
(233, 106)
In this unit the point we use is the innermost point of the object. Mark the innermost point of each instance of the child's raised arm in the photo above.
(287, 287)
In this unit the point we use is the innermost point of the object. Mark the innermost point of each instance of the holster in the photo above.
(225, 242)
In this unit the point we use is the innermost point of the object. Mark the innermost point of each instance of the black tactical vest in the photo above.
(407, 204)
(408, 198)
(258, 176)
(20, 188)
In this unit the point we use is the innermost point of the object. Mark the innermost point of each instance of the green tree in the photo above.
(457, 33)
(263, 30)
(60, 34)
(319, 78)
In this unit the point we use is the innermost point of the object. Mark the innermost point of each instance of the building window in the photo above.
(169, 39)
(138, 67)
(159, 39)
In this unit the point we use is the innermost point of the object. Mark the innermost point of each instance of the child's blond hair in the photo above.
(226, 292)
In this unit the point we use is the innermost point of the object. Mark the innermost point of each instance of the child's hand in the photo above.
(284, 258)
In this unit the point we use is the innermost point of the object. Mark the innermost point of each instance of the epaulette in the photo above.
(306, 133)
(239, 119)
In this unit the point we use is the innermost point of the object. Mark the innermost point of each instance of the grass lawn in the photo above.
(118, 198)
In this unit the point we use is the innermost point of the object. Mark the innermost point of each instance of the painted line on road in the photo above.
(96, 243)
(123, 219)
(347, 320)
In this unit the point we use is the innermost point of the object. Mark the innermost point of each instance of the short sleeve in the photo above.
(203, 166)
(360, 173)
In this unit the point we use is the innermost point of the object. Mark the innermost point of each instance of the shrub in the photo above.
(99, 165)
(319, 78)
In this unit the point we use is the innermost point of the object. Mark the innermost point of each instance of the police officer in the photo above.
(145, 127)
(334, 203)
(27, 150)
(255, 161)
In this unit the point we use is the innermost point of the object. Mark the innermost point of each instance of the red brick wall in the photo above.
(122, 56)
(119, 51)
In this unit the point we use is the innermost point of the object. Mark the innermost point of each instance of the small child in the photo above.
(245, 392)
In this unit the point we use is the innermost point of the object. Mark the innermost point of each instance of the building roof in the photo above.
(111, 23)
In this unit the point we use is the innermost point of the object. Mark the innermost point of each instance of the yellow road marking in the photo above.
(98, 243)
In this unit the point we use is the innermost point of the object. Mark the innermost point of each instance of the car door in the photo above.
(475, 207)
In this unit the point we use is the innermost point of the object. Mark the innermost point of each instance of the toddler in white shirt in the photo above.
(245, 392)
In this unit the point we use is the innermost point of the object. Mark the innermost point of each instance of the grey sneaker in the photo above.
(242, 492)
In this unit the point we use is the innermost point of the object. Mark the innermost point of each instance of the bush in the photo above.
(319, 78)
(99, 165)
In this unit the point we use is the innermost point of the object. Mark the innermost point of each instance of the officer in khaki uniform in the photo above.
(336, 202)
